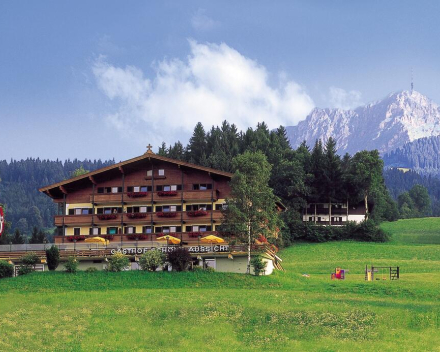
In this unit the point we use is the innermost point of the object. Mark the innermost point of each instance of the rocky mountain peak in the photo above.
(384, 125)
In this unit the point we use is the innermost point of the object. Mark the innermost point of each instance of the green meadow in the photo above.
(137, 311)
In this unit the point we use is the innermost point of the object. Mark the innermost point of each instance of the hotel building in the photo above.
(134, 202)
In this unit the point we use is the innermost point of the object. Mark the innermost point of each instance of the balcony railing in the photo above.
(132, 218)
(159, 196)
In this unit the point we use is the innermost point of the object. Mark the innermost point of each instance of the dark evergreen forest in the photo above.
(25, 206)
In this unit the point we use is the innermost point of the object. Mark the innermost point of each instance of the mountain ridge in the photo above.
(386, 124)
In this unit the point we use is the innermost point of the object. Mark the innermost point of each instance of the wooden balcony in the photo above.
(158, 197)
(207, 195)
(106, 198)
(86, 220)
(72, 220)
(324, 211)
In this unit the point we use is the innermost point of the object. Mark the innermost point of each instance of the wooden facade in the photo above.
(141, 199)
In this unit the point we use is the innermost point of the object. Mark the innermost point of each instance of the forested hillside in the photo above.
(19, 184)
(421, 155)
(399, 182)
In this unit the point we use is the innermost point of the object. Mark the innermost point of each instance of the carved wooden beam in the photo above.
(62, 189)
(92, 180)
(121, 169)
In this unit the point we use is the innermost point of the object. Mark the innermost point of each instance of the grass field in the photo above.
(137, 311)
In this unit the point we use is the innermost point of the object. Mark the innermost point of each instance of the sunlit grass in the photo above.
(137, 311)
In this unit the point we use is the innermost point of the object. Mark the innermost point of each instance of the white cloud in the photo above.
(342, 99)
(215, 83)
(201, 22)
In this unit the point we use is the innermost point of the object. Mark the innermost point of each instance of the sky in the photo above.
(103, 79)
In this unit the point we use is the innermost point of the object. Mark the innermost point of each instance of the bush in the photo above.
(258, 264)
(151, 260)
(28, 261)
(24, 269)
(365, 231)
(118, 262)
(53, 257)
(71, 265)
(368, 231)
(6, 269)
(180, 259)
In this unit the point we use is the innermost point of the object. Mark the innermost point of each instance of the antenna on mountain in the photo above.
(412, 80)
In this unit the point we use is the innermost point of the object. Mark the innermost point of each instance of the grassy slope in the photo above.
(136, 311)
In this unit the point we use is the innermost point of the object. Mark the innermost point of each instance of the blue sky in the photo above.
(102, 79)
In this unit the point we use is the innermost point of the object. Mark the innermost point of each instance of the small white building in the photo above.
(340, 214)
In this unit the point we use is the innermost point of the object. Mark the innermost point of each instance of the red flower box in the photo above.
(197, 213)
(137, 194)
(107, 237)
(136, 215)
(140, 237)
(162, 214)
(76, 238)
(167, 193)
(107, 216)
(194, 234)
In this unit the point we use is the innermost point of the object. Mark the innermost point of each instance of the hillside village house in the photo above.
(133, 203)
(341, 213)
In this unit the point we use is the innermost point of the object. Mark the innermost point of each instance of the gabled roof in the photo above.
(148, 155)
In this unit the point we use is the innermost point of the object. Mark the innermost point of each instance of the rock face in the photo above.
(384, 125)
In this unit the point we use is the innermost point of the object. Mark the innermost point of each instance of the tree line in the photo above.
(298, 176)
(25, 207)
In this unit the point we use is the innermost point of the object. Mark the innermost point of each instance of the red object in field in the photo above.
(2, 221)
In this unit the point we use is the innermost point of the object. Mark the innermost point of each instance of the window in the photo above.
(109, 210)
(112, 230)
(161, 172)
(80, 211)
(129, 230)
(76, 231)
(168, 188)
(168, 208)
(95, 231)
(109, 190)
(194, 207)
(223, 206)
(171, 229)
(202, 186)
(136, 189)
(199, 228)
(147, 229)
(140, 209)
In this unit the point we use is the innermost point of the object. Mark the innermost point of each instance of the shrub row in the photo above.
(366, 231)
